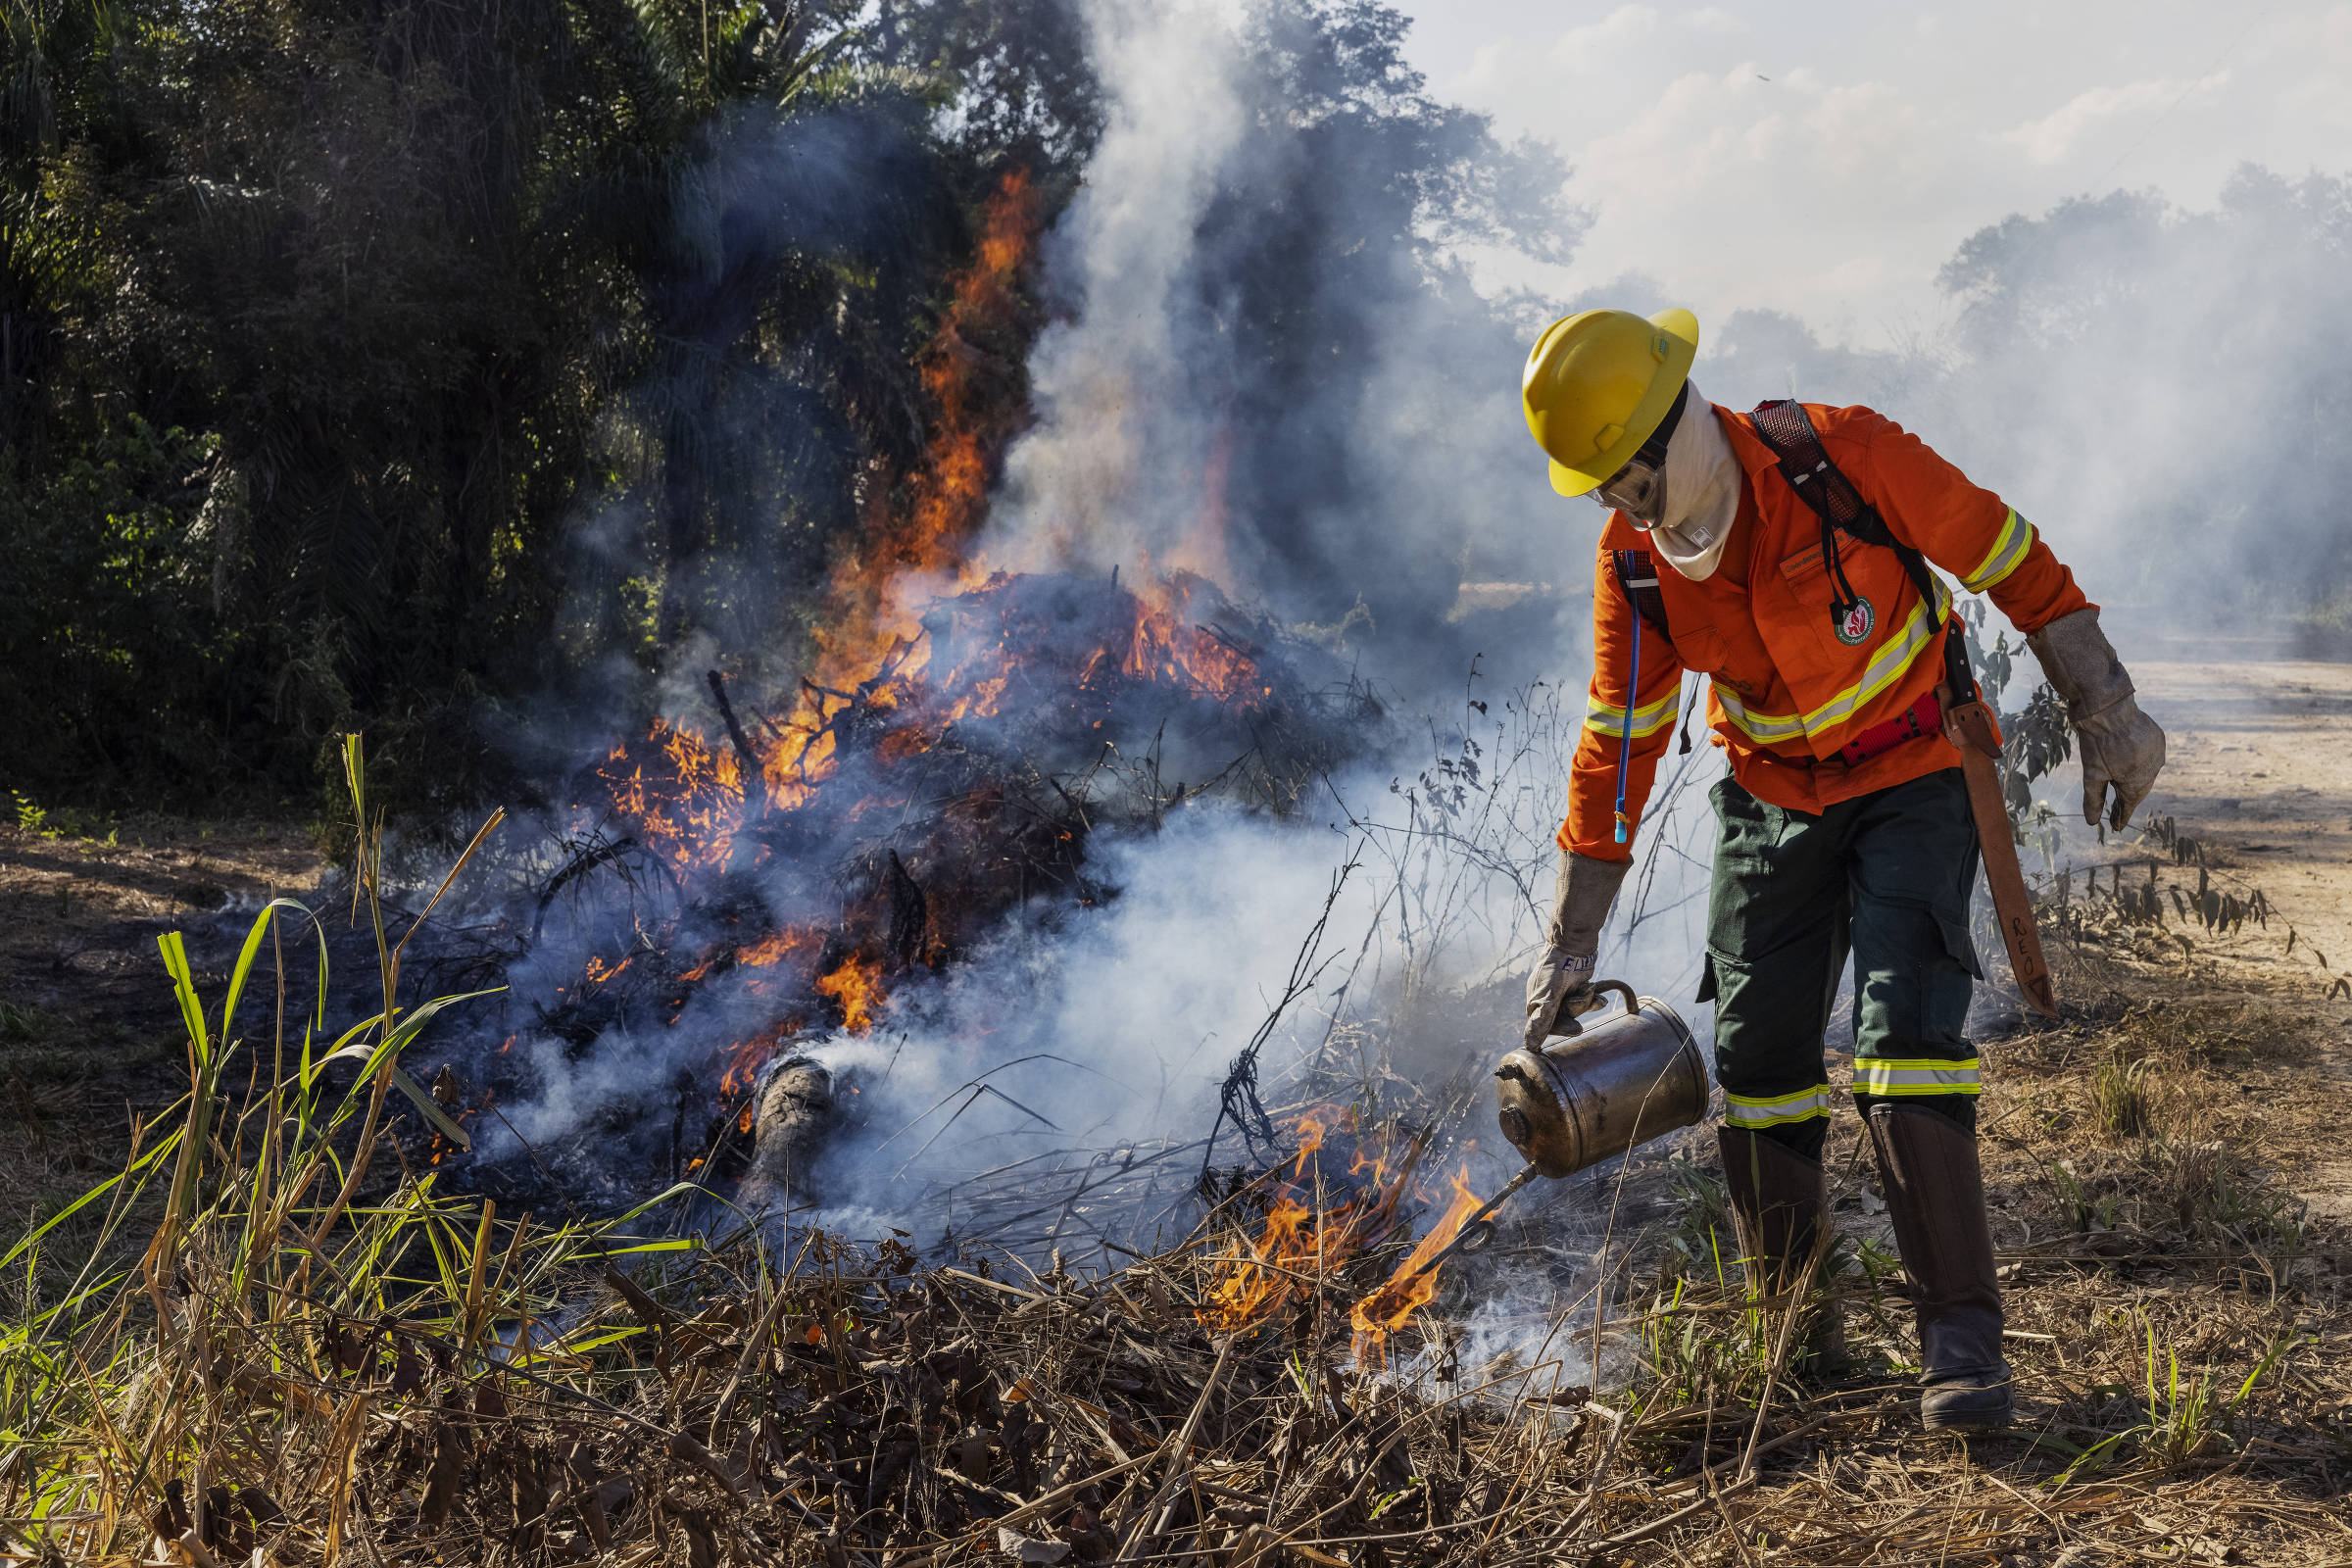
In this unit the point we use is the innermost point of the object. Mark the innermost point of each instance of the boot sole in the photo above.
(1989, 1421)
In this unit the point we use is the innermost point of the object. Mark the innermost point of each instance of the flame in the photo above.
(865, 616)
(683, 798)
(744, 1060)
(599, 971)
(776, 947)
(1300, 1245)
(1313, 1125)
(1410, 1288)
(855, 986)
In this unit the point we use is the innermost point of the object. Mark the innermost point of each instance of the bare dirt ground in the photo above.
(2258, 776)
(89, 1033)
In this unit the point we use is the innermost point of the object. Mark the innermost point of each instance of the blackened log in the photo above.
(755, 782)
(909, 914)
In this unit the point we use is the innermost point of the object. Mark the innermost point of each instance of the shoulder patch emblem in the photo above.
(1854, 629)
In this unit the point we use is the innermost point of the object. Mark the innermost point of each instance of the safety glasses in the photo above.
(1639, 489)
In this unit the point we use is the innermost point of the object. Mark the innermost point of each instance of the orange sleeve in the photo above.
(1592, 777)
(1967, 531)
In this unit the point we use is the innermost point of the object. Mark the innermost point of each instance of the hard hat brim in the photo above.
(1682, 330)
(1568, 482)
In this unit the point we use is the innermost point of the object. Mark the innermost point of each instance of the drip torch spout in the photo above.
(1476, 1232)
(1604, 1090)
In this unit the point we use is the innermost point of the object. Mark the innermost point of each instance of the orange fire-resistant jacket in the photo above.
(1786, 689)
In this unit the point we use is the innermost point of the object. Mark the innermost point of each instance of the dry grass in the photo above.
(264, 1347)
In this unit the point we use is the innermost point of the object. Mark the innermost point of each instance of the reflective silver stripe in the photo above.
(2008, 551)
(1928, 1075)
(1742, 1111)
(1647, 720)
(1762, 728)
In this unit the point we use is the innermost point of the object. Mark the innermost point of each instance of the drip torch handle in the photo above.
(1568, 1025)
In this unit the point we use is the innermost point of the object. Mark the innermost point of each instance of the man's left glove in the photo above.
(2122, 747)
(1562, 978)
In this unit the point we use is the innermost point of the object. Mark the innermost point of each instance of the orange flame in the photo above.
(1411, 1286)
(745, 1060)
(1313, 1125)
(855, 985)
(776, 947)
(1299, 1246)
(950, 497)
(684, 798)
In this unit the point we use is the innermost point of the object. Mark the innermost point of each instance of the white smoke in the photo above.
(1116, 471)
(1118, 1024)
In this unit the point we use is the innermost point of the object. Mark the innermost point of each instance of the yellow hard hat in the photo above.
(1597, 383)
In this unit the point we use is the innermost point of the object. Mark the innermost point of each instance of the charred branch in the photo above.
(755, 781)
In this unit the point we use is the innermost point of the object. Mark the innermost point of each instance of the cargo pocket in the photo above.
(1959, 943)
(1700, 647)
(1706, 978)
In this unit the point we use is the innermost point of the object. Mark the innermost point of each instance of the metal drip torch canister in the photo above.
(1611, 1086)
(1604, 1089)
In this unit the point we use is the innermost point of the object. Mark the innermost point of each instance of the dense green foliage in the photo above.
(362, 361)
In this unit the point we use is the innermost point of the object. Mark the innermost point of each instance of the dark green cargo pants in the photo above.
(1886, 877)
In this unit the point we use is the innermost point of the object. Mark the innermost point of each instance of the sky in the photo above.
(1826, 159)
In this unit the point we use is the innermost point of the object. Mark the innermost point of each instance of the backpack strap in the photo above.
(1783, 425)
(1637, 580)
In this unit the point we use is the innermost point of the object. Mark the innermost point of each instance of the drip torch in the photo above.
(1594, 1091)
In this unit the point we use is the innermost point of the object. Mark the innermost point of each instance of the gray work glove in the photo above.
(1562, 978)
(2122, 747)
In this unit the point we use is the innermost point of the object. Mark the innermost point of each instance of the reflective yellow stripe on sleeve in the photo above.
(1647, 719)
(1765, 729)
(2009, 549)
(1887, 664)
(1923, 1075)
(1742, 1111)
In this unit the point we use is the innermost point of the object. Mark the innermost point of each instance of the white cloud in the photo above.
(1598, 45)
(2055, 135)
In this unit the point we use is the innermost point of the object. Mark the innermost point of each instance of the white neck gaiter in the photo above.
(1701, 466)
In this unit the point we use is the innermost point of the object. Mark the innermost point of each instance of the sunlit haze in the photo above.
(1827, 159)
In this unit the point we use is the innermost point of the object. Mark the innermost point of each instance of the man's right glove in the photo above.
(2121, 746)
(1562, 978)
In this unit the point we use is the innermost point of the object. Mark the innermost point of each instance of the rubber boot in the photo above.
(1936, 1197)
(1779, 1202)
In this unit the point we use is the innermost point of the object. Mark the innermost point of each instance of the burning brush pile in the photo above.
(773, 863)
(725, 897)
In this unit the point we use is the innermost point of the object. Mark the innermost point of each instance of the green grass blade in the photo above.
(252, 952)
(183, 986)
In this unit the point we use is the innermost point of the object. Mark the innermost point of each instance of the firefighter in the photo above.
(1843, 823)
